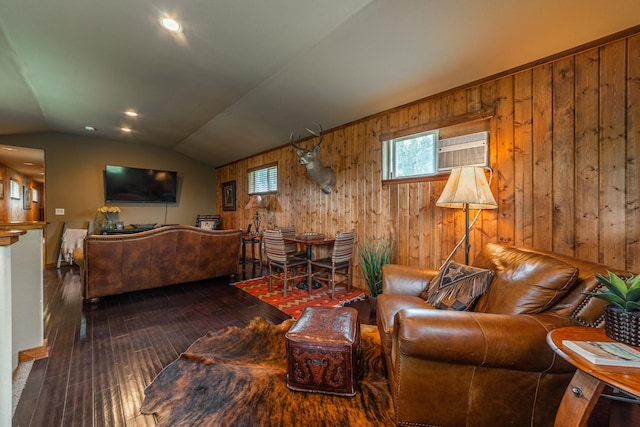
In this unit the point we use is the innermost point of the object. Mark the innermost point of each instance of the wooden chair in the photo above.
(292, 267)
(338, 265)
(291, 247)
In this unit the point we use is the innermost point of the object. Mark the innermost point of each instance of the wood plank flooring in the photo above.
(102, 356)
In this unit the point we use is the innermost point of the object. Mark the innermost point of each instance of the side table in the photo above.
(587, 383)
(252, 240)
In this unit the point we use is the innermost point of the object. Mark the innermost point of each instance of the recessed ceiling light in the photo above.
(125, 129)
(28, 163)
(131, 113)
(171, 24)
(90, 128)
(9, 149)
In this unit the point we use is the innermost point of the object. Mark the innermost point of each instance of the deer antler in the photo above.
(318, 134)
(293, 142)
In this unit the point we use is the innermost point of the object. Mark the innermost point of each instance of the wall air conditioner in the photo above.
(465, 150)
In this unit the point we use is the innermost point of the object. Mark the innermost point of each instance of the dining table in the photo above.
(309, 240)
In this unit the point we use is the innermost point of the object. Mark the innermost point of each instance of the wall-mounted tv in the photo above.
(136, 185)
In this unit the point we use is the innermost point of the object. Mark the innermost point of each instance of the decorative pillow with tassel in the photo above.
(457, 287)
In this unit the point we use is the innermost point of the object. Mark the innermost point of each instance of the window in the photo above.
(425, 154)
(411, 155)
(263, 179)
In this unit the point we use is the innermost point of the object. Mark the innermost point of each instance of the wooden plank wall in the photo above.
(564, 144)
(13, 209)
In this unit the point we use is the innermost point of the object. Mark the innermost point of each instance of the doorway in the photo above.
(22, 180)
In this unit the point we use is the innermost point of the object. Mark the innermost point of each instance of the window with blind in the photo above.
(263, 179)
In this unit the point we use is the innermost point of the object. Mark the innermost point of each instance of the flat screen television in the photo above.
(136, 185)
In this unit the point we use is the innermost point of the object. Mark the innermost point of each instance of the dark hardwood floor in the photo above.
(102, 356)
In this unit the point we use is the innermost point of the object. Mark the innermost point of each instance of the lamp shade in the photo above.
(467, 185)
(256, 202)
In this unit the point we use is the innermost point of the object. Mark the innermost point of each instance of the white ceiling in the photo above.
(244, 74)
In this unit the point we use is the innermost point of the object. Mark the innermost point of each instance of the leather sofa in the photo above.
(490, 366)
(115, 264)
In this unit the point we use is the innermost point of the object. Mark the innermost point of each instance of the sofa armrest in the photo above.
(405, 280)
(515, 342)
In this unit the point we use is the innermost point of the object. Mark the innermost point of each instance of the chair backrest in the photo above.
(288, 232)
(343, 246)
(274, 245)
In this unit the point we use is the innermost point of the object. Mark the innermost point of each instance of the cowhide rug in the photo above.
(237, 377)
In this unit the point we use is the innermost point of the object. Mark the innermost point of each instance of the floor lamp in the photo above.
(467, 188)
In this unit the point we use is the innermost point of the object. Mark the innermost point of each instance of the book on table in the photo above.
(605, 353)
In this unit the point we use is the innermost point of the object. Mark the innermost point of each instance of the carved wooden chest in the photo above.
(324, 351)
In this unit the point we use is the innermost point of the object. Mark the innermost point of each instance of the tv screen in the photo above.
(125, 184)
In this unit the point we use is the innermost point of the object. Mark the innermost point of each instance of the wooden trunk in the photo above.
(324, 351)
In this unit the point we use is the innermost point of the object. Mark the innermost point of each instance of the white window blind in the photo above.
(263, 180)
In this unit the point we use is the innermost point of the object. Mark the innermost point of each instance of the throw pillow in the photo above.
(457, 287)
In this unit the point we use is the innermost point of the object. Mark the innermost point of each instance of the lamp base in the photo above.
(256, 222)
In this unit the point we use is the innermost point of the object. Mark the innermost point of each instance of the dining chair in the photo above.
(291, 267)
(328, 269)
(289, 232)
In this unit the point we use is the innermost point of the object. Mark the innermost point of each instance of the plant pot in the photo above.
(373, 302)
(621, 325)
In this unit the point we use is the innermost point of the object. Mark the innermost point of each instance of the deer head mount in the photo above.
(321, 174)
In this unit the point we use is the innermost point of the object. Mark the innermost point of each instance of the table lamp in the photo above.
(467, 188)
(256, 202)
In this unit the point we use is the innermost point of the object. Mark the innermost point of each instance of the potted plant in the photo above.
(373, 255)
(622, 315)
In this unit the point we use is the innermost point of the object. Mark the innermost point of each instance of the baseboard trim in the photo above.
(34, 353)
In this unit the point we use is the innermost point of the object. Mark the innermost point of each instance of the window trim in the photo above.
(461, 119)
(390, 149)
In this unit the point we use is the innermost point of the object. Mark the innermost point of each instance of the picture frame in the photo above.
(26, 198)
(229, 196)
(208, 222)
(14, 189)
(34, 195)
(1, 189)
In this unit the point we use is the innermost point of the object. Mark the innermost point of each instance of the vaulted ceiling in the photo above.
(244, 74)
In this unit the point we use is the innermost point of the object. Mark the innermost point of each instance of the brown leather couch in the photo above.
(115, 264)
(492, 366)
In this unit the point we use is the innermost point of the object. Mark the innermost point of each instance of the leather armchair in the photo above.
(486, 367)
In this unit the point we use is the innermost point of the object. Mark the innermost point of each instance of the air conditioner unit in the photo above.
(465, 150)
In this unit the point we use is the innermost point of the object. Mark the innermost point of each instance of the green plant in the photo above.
(622, 293)
(373, 255)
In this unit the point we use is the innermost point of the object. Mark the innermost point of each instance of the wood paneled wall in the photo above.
(13, 209)
(564, 144)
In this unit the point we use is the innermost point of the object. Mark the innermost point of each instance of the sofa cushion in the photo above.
(457, 287)
(524, 282)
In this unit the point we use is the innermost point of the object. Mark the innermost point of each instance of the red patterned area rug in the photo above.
(297, 299)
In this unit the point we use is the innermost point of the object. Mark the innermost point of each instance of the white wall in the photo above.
(5, 336)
